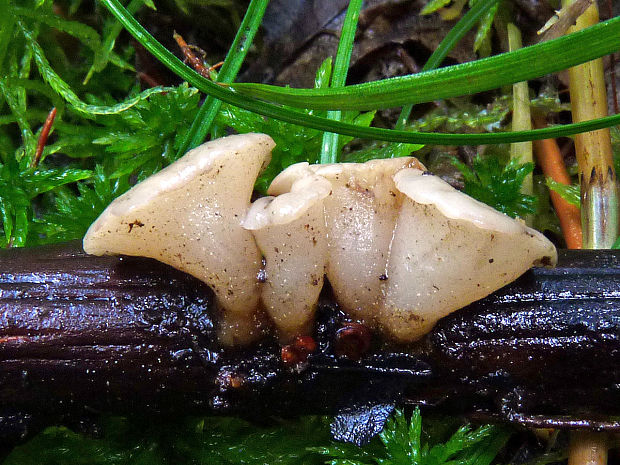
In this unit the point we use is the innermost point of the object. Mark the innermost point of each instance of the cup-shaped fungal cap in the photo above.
(302, 194)
(290, 232)
(424, 188)
(189, 216)
(284, 181)
(450, 250)
(360, 215)
(365, 175)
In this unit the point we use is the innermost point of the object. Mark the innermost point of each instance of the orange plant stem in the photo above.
(550, 160)
(45, 132)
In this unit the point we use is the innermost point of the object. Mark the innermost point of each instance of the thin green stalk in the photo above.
(19, 112)
(323, 124)
(21, 99)
(232, 63)
(329, 149)
(457, 32)
(521, 114)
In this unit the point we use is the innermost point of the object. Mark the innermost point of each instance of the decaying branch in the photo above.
(106, 334)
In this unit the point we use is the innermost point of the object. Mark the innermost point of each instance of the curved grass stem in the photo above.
(323, 124)
(452, 81)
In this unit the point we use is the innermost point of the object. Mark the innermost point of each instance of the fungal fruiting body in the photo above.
(448, 251)
(290, 231)
(400, 248)
(189, 216)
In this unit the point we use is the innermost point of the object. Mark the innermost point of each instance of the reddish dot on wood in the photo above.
(297, 352)
(230, 380)
(353, 341)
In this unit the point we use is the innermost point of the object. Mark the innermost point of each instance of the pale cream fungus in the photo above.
(400, 248)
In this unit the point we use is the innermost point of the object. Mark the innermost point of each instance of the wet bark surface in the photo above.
(82, 335)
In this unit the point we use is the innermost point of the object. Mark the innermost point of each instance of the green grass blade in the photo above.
(457, 32)
(6, 218)
(7, 21)
(232, 63)
(570, 193)
(486, 454)
(19, 112)
(452, 81)
(329, 149)
(482, 41)
(37, 116)
(20, 231)
(105, 53)
(433, 6)
(323, 124)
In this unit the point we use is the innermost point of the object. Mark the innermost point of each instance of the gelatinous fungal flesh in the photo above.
(189, 216)
(400, 247)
